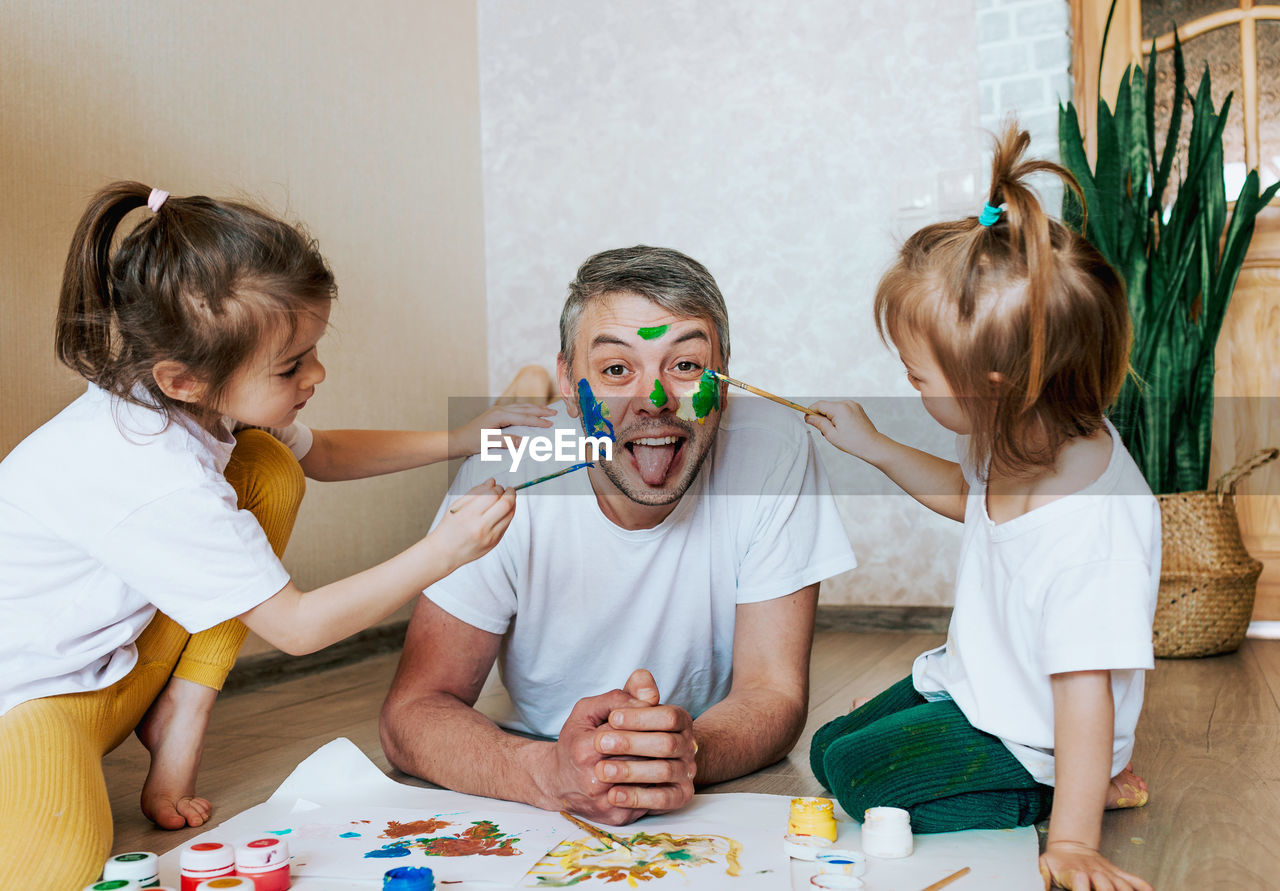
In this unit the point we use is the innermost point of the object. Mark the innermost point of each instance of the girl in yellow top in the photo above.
(142, 496)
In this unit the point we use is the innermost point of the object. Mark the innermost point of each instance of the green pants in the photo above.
(900, 750)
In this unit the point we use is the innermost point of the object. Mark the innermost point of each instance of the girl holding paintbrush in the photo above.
(203, 321)
(1016, 333)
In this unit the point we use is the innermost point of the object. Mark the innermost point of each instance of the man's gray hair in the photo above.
(677, 283)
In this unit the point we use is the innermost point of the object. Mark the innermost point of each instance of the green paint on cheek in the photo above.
(706, 398)
(654, 332)
(659, 396)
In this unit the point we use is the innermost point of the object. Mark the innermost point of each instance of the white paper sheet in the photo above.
(338, 779)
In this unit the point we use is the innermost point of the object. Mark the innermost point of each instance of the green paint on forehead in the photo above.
(659, 396)
(653, 333)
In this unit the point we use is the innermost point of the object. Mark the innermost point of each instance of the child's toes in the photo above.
(1127, 789)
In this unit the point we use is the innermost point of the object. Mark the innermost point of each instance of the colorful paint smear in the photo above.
(702, 400)
(653, 333)
(595, 414)
(659, 396)
(651, 856)
(417, 827)
(481, 837)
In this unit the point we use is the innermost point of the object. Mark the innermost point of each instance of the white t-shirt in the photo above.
(105, 517)
(1070, 586)
(583, 602)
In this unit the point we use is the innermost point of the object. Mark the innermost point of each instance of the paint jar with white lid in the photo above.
(142, 867)
(265, 861)
(203, 861)
(886, 832)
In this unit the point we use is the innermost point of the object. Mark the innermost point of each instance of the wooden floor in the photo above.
(1208, 744)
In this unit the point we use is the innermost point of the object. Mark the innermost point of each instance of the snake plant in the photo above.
(1162, 229)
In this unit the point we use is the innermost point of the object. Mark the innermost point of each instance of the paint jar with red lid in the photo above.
(226, 883)
(266, 862)
(203, 861)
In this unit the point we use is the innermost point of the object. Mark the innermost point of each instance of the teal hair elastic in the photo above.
(990, 214)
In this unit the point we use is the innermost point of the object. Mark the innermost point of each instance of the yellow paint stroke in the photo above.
(652, 856)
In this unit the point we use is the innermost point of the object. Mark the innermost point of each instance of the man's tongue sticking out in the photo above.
(654, 461)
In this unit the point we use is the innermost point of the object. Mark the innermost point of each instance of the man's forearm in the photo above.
(446, 741)
(746, 731)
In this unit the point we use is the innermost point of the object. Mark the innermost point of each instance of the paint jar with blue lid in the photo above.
(142, 867)
(409, 878)
(113, 885)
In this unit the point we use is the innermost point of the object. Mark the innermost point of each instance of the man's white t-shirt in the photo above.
(582, 602)
(106, 515)
(1070, 586)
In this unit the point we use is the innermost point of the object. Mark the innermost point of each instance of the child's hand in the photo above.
(1068, 864)
(846, 427)
(466, 439)
(475, 523)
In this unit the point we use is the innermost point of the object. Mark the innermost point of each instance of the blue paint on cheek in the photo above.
(388, 853)
(595, 419)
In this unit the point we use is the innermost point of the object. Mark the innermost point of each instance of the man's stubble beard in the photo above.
(660, 497)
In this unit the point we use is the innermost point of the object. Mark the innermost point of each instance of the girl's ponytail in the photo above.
(86, 321)
(1029, 235)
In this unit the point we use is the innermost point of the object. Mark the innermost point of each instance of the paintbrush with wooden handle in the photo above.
(766, 394)
(595, 831)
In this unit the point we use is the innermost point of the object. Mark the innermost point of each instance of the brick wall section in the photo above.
(1024, 66)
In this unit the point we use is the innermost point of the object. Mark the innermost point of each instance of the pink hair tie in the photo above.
(156, 199)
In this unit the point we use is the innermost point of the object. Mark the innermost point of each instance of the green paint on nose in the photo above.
(654, 332)
(659, 396)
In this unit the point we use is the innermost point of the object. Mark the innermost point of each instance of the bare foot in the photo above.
(173, 731)
(1127, 789)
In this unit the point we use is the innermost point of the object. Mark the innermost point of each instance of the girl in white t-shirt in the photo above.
(203, 321)
(1016, 333)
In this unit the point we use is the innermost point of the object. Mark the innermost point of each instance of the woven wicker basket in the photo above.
(1207, 578)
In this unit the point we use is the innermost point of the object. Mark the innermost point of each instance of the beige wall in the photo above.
(362, 124)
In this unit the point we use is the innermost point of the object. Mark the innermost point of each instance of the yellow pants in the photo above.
(55, 816)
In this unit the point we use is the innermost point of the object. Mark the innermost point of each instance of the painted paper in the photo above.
(496, 842)
(725, 842)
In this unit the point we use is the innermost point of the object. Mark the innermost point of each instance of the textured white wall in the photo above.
(787, 146)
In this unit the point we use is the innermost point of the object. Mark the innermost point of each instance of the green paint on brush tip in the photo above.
(659, 396)
(653, 333)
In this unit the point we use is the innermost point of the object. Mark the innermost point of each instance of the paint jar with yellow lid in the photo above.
(812, 816)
